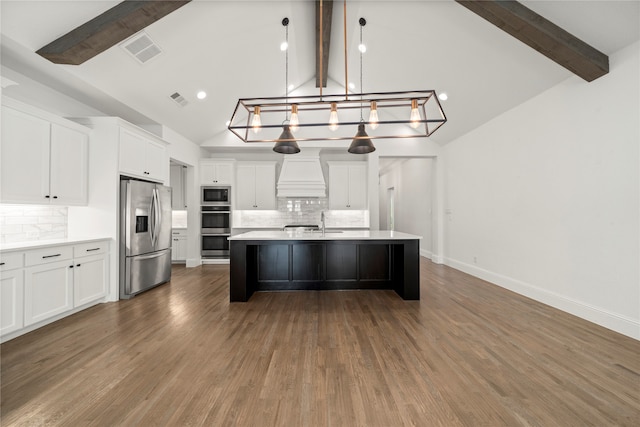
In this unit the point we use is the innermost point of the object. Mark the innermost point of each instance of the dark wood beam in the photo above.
(542, 35)
(106, 30)
(323, 60)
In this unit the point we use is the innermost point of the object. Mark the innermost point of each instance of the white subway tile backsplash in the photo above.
(300, 211)
(22, 223)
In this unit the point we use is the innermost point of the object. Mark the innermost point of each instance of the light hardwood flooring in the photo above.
(467, 354)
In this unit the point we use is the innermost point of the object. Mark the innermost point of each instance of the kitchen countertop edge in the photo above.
(39, 244)
(347, 235)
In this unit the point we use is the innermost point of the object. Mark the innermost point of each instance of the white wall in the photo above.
(412, 181)
(544, 199)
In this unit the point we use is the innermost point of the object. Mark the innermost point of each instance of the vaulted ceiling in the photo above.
(231, 49)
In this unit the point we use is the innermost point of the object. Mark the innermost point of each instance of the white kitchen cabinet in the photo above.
(48, 290)
(142, 157)
(347, 185)
(177, 181)
(44, 158)
(216, 172)
(256, 186)
(90, 272)
(11, 292)
(38, 286)
(178, 245)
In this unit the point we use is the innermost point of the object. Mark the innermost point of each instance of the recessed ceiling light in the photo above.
(227, 123)
(443, 96)
(201, 95)
(362, 48)
(291, 87)
(284, 46)
(352, 86)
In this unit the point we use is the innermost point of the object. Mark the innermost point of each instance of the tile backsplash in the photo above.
(23, 223)
(300, 211)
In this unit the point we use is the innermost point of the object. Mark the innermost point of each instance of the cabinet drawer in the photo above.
(11, 260)
(178, 233)
(43, 256)
(93, 248)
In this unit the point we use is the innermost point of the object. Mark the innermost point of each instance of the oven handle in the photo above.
(214, 212)
(214, 235)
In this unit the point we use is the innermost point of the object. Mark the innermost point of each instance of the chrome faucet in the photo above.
(322, 221)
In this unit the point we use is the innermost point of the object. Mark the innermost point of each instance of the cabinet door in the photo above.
(69, 151)
(339, 187)
(89, 279)
(24, 158)
(48, 290)
(246, 187)
(132, 154)
(177, 188)
(265, 187)
(224, 173)
(157, 162)
(181, 249)
(11, 301)
(207, 173)
(357, 187)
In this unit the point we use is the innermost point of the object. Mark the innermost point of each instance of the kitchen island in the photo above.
(313, 260)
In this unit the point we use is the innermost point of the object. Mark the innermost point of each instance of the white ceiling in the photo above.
(231, 50)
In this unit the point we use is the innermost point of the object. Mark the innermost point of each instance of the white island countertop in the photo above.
(329, 235)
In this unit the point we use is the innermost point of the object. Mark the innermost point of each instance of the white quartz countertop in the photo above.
(37, 244)
(329, 235)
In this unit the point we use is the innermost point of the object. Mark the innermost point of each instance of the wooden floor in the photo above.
(469, 353)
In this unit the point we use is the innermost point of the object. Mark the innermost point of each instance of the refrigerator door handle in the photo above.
(152, 218)
(158, 216)
(151, 256)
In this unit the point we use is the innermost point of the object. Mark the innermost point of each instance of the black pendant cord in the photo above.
(362, 22)
(285, 22)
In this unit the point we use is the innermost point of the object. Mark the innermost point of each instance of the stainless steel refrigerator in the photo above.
(145, 236)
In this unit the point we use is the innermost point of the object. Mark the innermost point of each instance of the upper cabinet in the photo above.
(177, 181)
(347, 185)
(256, 187)
(44, 158)
(216, 172)
(142, 156)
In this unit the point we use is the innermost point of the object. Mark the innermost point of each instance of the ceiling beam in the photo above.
(543, 35)
(106, 30)
(323, 60)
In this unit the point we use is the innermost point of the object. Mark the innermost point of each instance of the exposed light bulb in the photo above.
(284, 46)
(415, 114)
(201, 95)
(373, 116)
(256, 123)
(362, 48)
(294, 121)
(333, 117)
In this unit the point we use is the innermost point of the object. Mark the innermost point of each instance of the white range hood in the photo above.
(301, 175)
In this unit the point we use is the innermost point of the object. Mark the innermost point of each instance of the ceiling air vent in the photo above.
(179, 99)
(141, 47)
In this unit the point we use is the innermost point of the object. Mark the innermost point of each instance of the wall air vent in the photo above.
(179, 99)
(141, 47)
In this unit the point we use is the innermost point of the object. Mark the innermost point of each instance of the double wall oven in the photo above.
(215, 221)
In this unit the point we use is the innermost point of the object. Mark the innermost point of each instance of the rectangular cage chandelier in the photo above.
(409, 114)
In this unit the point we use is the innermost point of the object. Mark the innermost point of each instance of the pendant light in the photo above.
(373, 115)
(361, 143)
(286, 142)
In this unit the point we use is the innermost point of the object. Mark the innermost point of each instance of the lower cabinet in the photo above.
(48, 290)
(179, 245)
(49, 283)
(11, 301)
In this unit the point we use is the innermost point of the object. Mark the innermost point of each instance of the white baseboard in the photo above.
(215, 261)
(616, 322)
(425, 253)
